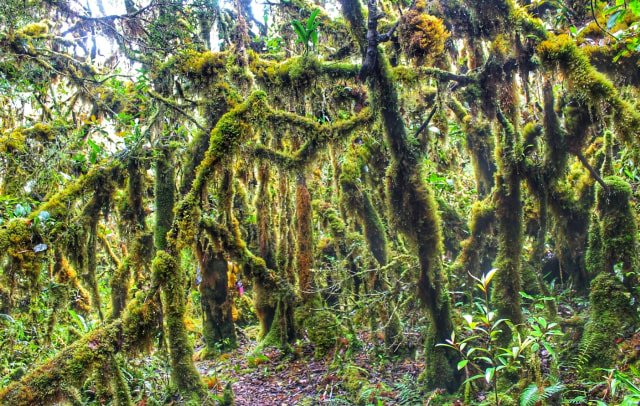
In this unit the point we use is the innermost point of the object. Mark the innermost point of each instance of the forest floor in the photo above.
(273, 378)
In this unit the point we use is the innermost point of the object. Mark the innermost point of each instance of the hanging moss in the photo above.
(141, 323)
(17, 242)
(509, 212)
(588, 85)
(64, 273)
(304, 248)
(164, 196)
(479, 143)
(264, 302)
(358, 201)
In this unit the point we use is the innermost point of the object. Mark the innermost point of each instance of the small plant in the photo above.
(307, 32)
(535, 394)
(482, 358)
(620, 388)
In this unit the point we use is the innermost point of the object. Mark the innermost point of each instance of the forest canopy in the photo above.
(343, 202)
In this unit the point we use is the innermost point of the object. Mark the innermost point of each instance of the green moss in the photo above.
(611, 316)
(421, 35)
(299, 71)
(323, 329)
(140, 324)
(168, 275)
(612, 237)
(218, 328)
(588, 85)
(13, 141)
(16, 242)
(164, 196)
(34, 30)
(57, 379)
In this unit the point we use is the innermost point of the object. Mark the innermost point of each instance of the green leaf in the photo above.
(573, 30)
(527, 296)
(462, 364)
(487, 278)
(488, 374)
(634, 6)
(300, 31)
(530, 395)
(615, 17)
(311, 21)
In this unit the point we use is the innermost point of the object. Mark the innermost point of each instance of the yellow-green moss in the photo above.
(422, 35)
(34, 30)
(611, 316)
(612, 238)
(588, 85)
(168, 275)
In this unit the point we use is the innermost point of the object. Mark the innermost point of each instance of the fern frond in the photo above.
(551, 391)
(530, 396)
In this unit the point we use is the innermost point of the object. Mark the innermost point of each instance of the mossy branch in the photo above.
(58, 379)
(176, 107)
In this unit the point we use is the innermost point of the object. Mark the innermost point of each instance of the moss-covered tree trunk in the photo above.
(411, 200)
(218, 328)
(172, 281)
(506, 294)
(304, 241)
(263, 299)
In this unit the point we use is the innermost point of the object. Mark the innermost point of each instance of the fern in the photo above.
(583, 355)
(533, 394)
(551, 391)
(530, 395)
(408, 392)
(578, 400)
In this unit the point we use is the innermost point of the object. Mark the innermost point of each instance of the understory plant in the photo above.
(484, 358)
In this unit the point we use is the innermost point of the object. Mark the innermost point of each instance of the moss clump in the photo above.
(34, 30)
(612, 237)
(323, 329)
(588, 85)
(13, 141)
(422, 35)
(298, 71)
(17, 242)
(611, 316)
(197, 65)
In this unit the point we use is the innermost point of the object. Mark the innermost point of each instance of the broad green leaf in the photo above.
(489, 276)
(488, 374)
(462, 364)
(615, 17)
